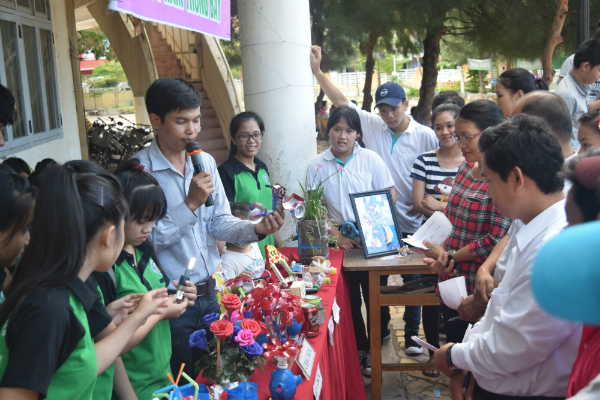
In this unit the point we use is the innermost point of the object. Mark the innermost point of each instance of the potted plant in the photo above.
(313, 236)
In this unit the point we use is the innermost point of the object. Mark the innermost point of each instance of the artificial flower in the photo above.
(252, 326)
(231, 302)
(252, 350)
(198, 339)
(244, 337)
(221, 329)
(210, 318)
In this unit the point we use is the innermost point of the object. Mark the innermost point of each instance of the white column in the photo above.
(141, 113)
(278, 86)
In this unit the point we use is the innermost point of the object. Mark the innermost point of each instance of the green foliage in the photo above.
(236, 366)
(94, 41)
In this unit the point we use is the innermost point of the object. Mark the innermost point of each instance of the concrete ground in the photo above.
(404, 385)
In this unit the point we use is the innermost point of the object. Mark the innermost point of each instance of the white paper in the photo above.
(424, 343)
(318, 383)
(306, 359)
(436, 230)
(335, 310)
(330, 327)
(453, 291)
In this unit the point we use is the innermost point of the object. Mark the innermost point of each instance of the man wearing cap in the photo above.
(398, 139)
(517, 351)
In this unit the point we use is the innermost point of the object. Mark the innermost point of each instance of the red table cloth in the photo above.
(339, 366)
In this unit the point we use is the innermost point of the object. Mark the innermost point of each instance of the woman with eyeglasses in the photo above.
(476, 224)
(246, 178)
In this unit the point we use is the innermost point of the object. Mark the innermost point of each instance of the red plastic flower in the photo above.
(231, 302)
(252, 326)
(221, 329)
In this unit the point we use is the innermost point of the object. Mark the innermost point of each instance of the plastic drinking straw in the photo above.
(179, 376)
(170, 378)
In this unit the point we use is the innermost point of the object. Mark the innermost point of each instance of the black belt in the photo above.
(482, 394)
(202, 288)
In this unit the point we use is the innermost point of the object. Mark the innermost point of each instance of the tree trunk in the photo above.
(554, 38)
(431, 55)
(481, 84)
(318, 102)
(369, 67)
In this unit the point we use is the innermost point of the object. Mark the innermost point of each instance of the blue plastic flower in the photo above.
(198, 339)
(247, 314)
(252, 350)
(210, 318)
(236, 330)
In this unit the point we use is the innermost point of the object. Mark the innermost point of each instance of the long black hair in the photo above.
(516, 79)
(587, 200)
(237, 121)
(451, 108)
(72, 209)
(17, 201)
(146, 199)
(352, 119)
(18, 165)
(483, 113)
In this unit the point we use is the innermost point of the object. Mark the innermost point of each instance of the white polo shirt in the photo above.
(364, 170)
(399, 157)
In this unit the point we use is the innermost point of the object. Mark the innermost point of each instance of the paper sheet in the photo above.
(306, 359)
(436, 230)
(335, 310)
(318, 383)
(453, 291)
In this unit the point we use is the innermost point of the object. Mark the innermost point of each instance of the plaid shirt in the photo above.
(475, 222)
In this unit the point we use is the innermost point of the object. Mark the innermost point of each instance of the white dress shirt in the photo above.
(517, 348)
(364, 172)
(502, 262)
(400, 158)
(183, 234)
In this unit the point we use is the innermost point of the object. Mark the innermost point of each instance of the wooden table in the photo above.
(354, 260)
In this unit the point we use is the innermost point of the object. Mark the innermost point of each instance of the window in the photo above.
(28, 69)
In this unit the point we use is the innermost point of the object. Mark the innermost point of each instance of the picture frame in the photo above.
(377, 222)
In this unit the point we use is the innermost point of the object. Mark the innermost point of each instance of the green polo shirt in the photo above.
(104, 382)
(46, 345)
(148, 363)
(243, 184)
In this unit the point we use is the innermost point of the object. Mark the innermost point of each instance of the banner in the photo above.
(211, 17)
(480, 65)
(529, 64)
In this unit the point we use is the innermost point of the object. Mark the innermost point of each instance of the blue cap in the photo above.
(565, 278)
(389, 93)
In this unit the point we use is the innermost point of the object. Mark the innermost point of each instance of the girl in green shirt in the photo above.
(245, 178)
(46, 349)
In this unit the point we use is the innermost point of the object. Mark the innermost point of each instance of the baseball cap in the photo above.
(389, 93)
(566, 274)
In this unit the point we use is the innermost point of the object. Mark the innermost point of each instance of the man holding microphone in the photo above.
(190, 227)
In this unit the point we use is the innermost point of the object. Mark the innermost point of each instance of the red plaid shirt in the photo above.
(475, 222)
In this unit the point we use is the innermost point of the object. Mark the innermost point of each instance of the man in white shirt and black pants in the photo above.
(517, 350)
(399, 140)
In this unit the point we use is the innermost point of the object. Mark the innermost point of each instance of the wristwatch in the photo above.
(449, 357)
(450, 257)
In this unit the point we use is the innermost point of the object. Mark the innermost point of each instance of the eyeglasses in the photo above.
(464, 139)
(245, 137)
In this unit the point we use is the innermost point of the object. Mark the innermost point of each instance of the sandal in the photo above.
(431, 375)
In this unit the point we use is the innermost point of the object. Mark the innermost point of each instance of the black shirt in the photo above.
(230, 168)
(98, 318)
(42, 333)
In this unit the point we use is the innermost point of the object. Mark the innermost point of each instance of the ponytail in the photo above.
(73, 208)
(146, 199)
(17, 201)
(516, 79)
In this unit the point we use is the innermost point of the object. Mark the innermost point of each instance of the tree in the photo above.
(554, 38)
(94, 41)
(329, 30)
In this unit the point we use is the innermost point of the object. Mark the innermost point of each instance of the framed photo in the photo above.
(377, 223)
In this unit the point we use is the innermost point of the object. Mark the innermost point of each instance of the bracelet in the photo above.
(449, 357)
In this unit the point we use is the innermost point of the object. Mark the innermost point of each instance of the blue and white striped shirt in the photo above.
(428, 170)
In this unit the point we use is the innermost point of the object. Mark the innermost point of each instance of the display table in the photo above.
(354, 260)
(339, 366)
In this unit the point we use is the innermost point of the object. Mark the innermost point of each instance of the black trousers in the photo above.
(357, 281)
(455, 330)
(431, 321)
(482, 394)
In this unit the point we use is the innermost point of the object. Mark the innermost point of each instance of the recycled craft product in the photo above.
(294, 204)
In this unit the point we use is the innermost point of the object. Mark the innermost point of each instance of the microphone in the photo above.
(193, 150)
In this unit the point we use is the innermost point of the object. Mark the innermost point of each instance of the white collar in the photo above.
(330, 157)
(540, 223)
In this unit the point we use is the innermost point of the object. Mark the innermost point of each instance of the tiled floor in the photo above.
(404, 385)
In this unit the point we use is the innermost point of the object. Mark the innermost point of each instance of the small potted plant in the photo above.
(313, 236)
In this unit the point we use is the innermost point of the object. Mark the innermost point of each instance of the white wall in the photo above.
(65, 148)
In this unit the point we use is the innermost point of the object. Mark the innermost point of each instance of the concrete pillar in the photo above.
(275, 43)
(141, 114)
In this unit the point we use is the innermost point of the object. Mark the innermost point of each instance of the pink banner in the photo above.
(211, 17)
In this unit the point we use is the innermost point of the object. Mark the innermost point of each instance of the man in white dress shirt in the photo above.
(517, 350)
